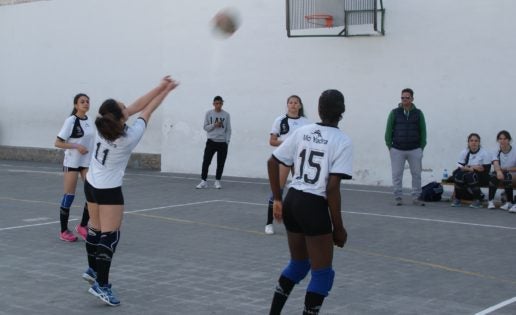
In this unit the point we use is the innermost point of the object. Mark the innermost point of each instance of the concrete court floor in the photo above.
(188, 251)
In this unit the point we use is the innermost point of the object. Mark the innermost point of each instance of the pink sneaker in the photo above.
(82, 230)
(67, 236)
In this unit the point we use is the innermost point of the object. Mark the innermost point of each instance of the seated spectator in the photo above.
(504, 163)
(473, 171)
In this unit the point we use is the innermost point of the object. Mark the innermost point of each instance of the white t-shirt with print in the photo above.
(481, 157)
(283, 126)
(316, 151)
(80, 131)
(109, 159)
(506, 160)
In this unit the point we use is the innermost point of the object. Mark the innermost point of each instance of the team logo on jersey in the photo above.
(315, 137)
(77, 131)
(284, 127)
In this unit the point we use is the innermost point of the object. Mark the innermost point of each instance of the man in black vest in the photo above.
(405, 136)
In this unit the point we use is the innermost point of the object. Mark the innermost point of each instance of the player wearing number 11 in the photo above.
(103, 187)
(322, 156)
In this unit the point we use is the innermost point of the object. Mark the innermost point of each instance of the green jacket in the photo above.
(390, 127)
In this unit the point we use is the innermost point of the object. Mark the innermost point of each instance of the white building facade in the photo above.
(457, 56)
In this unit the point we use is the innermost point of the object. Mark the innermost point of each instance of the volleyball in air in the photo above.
(226, 22)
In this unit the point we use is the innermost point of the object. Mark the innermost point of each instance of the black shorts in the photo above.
(74, 169)
(306, 213)
(107, 196)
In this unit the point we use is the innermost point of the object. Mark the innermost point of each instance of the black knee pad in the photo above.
(471, 179)
(507, 180)
(93, 236)
(493, 181)
(107, 245)
(458, 177)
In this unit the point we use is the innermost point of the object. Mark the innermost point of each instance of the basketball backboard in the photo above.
(320, 18)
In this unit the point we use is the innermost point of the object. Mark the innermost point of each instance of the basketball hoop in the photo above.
(325, 20)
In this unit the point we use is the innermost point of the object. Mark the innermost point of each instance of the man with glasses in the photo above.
(405, 137)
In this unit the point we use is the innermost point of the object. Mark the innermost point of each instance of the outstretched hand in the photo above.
(168, 83)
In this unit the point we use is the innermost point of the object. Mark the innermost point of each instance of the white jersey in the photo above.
(481, 157)
(80, 131)
(283, 126)
(109, 159)
(316, 151)
(506, 160)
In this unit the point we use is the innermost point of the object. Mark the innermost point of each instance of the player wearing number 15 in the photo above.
(322, 156)
(103, 187)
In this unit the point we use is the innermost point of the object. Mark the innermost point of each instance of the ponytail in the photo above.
(109, 122)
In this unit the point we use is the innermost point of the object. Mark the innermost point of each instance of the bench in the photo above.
(449, 182)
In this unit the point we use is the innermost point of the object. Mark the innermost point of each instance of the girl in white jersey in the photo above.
(504, 163)
(76, 137)
(282, 127)
(321, 155)
(103, 187)
(472, 172)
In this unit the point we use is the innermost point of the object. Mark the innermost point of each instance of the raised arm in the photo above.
(142, 102)
(156, 101)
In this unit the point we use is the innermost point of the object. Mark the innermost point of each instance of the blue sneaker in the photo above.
(90, 275)
(105, 294)
(455, 203)
(476, 204)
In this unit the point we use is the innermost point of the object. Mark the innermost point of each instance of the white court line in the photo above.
(398, 217)
(497, 306)
(173, 206)
(30, 225)
(256, 183)
(37, 172)
(433, 220)
(196, 179)
(128, 212)
(262, 204)
(36, 219)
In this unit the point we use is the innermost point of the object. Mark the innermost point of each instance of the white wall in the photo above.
(458, 56)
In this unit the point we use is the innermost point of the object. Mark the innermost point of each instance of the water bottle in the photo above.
(445, 174)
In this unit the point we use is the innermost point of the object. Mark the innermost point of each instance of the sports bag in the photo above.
(432, 192)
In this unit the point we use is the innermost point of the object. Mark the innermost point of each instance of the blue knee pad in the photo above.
(322, 281)
(296, 270)
(271, 198)
(67, 201)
